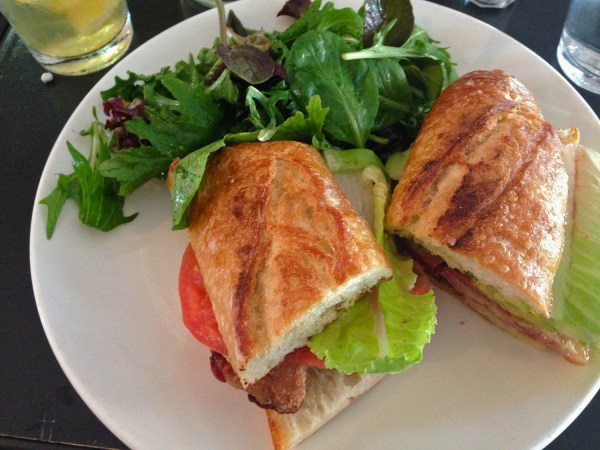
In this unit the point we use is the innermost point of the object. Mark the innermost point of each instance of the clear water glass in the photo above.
(578, 51)
(492, 3)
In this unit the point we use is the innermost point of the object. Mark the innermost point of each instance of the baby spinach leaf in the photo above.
(395, 101)
(186, 181)
(190, 170)
(419, 45)
(382, 12)
(347, 88)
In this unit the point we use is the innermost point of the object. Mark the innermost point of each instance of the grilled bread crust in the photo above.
(485, 187)
(328, 393)
(279, 248)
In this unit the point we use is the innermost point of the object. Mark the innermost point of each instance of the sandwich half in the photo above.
(485, 204)
(299, 300)
(280, 250)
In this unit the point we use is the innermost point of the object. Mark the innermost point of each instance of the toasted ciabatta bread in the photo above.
(485, 188)
(280, 249)
(328, 393)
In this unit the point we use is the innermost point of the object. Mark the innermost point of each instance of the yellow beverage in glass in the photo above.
(71, 36)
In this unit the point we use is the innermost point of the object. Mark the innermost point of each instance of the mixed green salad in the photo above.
(335, 78)
(354, 84)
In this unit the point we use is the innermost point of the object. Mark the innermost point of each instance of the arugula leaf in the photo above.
(134, 166)
(344, 22)
(99, 205)
(419, 45)
(207, 59)
(424, 66)
(177, 126)
(56, 199)
(270, 115)
(303, 128)
(348, 88)
(223, 88)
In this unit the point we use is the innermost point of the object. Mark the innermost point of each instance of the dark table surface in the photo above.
(38, 407)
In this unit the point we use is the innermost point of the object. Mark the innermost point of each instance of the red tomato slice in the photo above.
(196, 308)
(304, 357)
(199, 318)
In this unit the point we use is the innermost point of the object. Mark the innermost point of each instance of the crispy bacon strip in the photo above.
(282, 389)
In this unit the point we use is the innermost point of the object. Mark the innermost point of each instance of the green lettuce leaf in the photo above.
(387, 329)
(576, 309)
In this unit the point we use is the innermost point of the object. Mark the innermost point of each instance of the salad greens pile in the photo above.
(354, 84)
(335, 78)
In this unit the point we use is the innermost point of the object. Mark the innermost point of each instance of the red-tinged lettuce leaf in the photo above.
(294, 8)
(235, 24)
(247, 62)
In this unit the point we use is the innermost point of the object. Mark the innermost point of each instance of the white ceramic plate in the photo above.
(109, 302)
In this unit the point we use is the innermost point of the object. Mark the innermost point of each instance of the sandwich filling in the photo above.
(499, 310)
(284, 388)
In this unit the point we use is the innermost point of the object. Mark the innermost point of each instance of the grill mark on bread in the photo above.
(249, 256)
(341, 260)
(433, 171)
(465, 202)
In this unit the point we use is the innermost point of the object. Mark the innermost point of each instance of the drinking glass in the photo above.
(71, 37)
(578, 51)
(492, 3)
